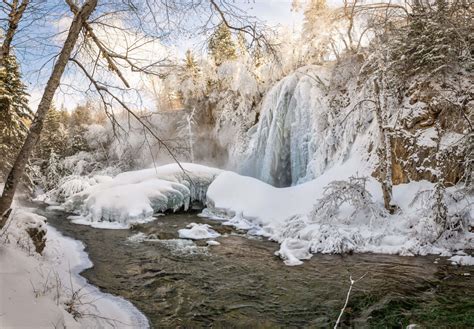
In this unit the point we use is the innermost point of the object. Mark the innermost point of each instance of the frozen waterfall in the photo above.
(281, 147)
(298, 135)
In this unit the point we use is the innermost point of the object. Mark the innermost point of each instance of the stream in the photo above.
(241, 284)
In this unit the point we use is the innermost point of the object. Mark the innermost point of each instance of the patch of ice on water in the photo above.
(462, 260)
(183, 247)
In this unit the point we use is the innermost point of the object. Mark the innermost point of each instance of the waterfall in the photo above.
(299, 134)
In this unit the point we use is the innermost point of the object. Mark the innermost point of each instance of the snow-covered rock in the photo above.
(25, 230)
(198, 232)
(462, 260)
(137, 195)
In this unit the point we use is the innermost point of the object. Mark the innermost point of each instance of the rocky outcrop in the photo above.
(38, 237)
(436, 120)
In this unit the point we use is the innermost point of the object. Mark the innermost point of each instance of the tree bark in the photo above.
(14, 17)
(18, 168)
(385, 149)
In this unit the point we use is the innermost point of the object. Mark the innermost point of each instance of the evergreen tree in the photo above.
(258, 56)
(190, 65)
(53, 137)
(437, 38)
(81, 115)
(221, 46)
(53, 171)
(242, 45)
(79, 119)
(190, 80)
(64, 117)
(14, 112)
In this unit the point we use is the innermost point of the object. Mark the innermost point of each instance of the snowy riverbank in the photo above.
(45, 291)
(290, 217)
(338, 212)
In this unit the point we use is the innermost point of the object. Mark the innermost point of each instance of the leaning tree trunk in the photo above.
(18, 168)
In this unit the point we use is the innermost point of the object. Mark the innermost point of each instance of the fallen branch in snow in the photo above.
(347, 297)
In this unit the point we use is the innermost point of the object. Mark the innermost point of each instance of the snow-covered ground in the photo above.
(287, 216)
(295, 216)
(46, 291)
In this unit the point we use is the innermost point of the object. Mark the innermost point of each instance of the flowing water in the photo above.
(241, 284)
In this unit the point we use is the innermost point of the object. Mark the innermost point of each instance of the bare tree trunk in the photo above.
(14, 17)
(440, 210)
(35, 130)
(385, 150)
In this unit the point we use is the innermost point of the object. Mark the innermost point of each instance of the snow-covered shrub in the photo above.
(426, 226)
(352, 193)
(71, 185)
(81, 163)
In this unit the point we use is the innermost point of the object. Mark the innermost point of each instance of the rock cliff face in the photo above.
(433, 137)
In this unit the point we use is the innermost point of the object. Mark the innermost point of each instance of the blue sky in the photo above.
(36, 56)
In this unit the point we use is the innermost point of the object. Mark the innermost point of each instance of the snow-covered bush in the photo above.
(427, 227)
(351, 193)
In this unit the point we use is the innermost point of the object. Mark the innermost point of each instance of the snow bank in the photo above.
(287, 216)
(37, 291)
(136, 196)
(15, 233)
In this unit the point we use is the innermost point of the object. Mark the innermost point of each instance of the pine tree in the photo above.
(242, 45)
(221, 46)
(81, 115)
(190, 65)
(79, 119)
(64, 116)
(258, 56)
(53, 171)
(53, 137)
(14, 112)
(436, 38)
